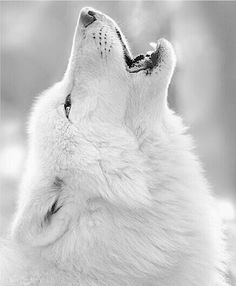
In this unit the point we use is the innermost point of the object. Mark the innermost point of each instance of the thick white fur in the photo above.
(135, 207)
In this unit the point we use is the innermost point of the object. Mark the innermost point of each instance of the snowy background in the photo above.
(36, 38)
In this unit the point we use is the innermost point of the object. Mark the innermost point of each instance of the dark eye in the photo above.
(67, 105)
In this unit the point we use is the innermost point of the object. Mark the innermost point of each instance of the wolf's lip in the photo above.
(147, 62)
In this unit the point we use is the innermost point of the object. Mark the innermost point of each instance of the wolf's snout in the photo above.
(87, 17)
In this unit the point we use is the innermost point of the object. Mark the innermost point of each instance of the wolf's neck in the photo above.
(169, 151)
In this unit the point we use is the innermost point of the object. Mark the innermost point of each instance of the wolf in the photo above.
(112, 193)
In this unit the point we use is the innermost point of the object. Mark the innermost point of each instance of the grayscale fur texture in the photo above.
(114, 194)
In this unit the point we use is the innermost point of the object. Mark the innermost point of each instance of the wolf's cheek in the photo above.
(82, 107)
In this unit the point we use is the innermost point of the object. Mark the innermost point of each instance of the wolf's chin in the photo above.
(142, 62)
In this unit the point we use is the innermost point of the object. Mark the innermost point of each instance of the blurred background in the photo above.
(36, 38)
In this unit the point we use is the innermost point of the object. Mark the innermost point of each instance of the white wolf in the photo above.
(112, 193)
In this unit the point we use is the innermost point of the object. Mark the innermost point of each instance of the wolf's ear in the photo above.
(148, 96)
(41, 219)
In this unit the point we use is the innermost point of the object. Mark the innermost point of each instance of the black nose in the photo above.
(87, 17)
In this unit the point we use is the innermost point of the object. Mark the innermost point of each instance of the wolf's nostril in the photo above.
(91, 13)
(87, 17)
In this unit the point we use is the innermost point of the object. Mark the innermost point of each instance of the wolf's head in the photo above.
(83, 134)
(103, 73)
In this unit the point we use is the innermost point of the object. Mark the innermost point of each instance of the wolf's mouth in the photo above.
(140, 62)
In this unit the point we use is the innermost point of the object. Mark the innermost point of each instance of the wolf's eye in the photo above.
(67, 105)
